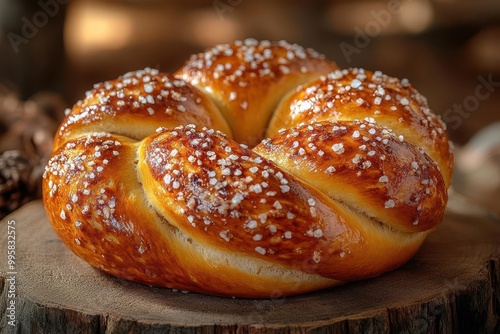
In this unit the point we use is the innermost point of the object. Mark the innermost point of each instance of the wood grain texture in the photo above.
(451, 286)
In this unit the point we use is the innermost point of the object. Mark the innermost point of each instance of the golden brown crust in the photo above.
(136, 104)
(231, 198)
(247, 80)
(226, 195)
(366, 167)
(357, 94)
(143, 186)
(99, 209)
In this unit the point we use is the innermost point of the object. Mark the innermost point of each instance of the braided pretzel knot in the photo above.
(150, 180)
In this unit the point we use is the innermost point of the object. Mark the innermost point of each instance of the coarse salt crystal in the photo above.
(338, 148)
(389, 204)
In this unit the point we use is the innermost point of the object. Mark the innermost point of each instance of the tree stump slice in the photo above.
(451, 286)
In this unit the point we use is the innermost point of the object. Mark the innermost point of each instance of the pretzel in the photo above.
(257, 169)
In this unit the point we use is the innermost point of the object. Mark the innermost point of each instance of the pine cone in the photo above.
(26, 132)
(16, 184)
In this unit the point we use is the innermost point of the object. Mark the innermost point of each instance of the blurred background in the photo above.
(52, 51)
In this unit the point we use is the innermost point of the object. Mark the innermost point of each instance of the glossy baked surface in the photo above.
(147, 183)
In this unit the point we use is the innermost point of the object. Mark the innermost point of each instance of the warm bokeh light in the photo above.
(344, 17)
(380, 17)
(96, 28)
(484, 49)
(416, 16)
(207, 28)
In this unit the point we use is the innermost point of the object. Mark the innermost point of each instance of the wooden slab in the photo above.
(451, 286)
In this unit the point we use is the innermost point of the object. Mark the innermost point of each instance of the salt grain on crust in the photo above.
(338, 148)
(389, 204)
